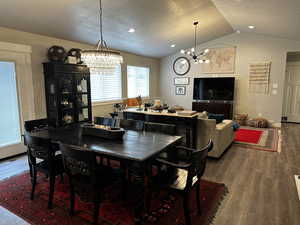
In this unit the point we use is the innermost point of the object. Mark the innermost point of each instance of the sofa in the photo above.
(222, 134)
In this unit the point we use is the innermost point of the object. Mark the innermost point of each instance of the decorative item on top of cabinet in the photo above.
(56, 54)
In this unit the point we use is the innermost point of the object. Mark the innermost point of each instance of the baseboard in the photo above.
(275, 125)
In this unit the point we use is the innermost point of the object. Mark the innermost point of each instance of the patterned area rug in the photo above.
(15, 192)
(263, 139)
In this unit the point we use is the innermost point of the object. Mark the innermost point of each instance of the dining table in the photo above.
(135, 147)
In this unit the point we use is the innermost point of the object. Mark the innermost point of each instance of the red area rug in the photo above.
(262, 139)
(15, 192)
(248, 136)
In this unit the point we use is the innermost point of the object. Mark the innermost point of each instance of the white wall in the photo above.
(40, 45)
(250, 48)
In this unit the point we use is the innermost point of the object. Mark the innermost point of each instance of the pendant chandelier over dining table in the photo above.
(102, 59)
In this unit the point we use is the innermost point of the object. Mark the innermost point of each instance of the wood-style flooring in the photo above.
(261, 185)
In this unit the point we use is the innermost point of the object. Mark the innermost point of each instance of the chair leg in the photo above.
(96, 211)
(33, 181)
(51, 191)
(187, 210)
(62, 178)
(72, 200)
(198, 198)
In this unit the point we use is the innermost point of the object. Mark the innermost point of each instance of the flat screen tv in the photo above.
(216, 88)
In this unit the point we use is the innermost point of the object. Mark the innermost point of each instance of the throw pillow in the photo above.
(218, 117)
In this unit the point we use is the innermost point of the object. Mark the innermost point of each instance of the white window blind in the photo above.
(137, 81)
(106, 87)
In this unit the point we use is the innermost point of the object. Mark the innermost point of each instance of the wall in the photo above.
(40, 45)
(250, 48)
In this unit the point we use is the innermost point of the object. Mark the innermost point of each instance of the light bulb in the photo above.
(188, 52)
(182, 51)
(193, 49)
(207, 61)
(206, 50)
(201, 61)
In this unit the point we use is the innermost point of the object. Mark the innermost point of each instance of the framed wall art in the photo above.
(180, 90)
(181, 81)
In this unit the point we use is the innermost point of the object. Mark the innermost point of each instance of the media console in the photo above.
(218, 107)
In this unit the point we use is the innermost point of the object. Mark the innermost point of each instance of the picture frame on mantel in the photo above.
(181, 81)
(180, 90)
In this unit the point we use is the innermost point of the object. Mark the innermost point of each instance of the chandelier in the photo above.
(200, 57)
(102, 59)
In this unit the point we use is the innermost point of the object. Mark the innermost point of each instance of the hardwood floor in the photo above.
(261, 185)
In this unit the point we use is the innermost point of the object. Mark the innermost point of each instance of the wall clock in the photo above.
(181, 66)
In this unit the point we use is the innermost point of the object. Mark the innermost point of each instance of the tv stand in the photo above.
(218, 107)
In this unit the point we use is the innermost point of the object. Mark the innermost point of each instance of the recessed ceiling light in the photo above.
(251, 27)
(131, 30)
(173, 46)
(238, 31)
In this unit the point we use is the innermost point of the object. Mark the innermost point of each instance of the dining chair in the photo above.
(187, 175)
(31, 125)
(41, 157)
(105, 121)
(136, 125)
(87, 178)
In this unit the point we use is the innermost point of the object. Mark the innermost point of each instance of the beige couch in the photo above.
(222, 134)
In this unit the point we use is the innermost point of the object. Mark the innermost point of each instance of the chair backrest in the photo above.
(105, 121)
(160, 128)
(198, 159)
(137, 125)
(38, 148)
(31, 125)
(79, 163)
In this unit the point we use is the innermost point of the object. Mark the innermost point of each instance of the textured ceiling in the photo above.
(158, 23)
(279, 18)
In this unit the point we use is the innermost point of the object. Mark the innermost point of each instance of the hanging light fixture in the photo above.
(102, 59)
(200, 57)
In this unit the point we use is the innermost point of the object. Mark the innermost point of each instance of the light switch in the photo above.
(275, 85)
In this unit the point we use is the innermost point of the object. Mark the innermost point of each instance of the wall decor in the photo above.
(259, 77)
(221, 60)
(181, 66)
(180, 90)
(181, 81)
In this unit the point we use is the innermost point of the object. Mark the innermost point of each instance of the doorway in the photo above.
(291, 104)
(16, 96)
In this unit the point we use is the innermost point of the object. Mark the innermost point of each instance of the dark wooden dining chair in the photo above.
(31, 125)
(160, 128)
(186, 176)
(136, 125)
(87, 178)
(105, 121)
(41, 157)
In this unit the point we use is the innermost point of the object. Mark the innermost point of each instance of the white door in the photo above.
(292, 93)
(10, 123)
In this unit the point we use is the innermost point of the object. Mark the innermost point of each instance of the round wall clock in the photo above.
(181, 66)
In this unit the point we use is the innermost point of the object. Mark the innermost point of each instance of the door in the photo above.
(292, 93)
(10, 125)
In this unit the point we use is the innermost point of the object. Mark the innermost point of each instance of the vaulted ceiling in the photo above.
(158, 23)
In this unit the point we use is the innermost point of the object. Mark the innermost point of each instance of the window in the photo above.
(106, 87)
(137, 81)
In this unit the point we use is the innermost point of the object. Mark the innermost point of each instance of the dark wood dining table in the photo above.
(140, 147)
